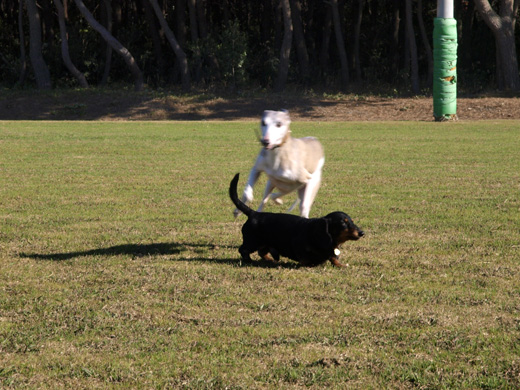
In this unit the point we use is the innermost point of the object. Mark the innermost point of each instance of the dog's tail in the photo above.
(234, 197)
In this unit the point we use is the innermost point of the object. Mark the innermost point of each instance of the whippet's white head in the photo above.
(275, 128)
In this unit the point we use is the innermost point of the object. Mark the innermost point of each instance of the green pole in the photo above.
(444, 69)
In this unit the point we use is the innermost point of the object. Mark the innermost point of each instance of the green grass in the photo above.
(119, 265)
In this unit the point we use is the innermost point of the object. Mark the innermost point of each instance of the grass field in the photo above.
(119, 266)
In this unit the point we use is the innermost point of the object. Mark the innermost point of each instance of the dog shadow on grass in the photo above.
(182, 251)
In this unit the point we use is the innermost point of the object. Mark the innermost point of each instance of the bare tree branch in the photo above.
(179, 53)
(65, 47)
(114, 43)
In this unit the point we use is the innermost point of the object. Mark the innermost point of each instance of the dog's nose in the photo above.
(361, 233)
(264, 141)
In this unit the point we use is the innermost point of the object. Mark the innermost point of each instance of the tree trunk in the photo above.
(426, 43)
(394, 40)
(210, 58)
(194, 31)
(507, 62)
(357, 34)
(65, 47)
(156, 38)
(47, 19)
(299, 40)
(197, 58)
(503, 28)
(201, 20)
(467, 19)
(23, 58)
(114, 43)
(180, 22)
(341, 44)
(278, 25)
(108, 49)
(224, 7)
(414, 64)
(266, 21)
(309, 21)
(41, 71)
(325, 42)
(179, 53)
(285, 51)
(181, 32)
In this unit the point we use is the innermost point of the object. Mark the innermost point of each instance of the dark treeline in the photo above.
(325, 44)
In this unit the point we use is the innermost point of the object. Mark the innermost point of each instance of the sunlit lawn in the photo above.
(119, 265)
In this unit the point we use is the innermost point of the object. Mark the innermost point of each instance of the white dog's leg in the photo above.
(247, 196)
(269, 187)
(276, 197)
(293, 205)
(308, 193)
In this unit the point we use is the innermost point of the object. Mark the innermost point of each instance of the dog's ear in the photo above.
(320, 234)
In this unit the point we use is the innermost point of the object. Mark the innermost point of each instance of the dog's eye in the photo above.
(278, 124)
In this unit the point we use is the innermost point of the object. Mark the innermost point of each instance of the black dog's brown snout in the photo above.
(350, 235)
(350, 232)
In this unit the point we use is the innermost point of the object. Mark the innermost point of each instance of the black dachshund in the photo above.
(310, 242)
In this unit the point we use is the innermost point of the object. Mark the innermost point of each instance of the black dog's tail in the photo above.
(234, 197)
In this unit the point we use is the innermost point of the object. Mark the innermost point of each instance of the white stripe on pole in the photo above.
(445, 9)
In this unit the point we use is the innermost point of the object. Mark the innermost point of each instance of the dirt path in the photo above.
(124, 105)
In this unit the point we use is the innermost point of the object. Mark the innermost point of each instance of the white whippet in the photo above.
(290, 163)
